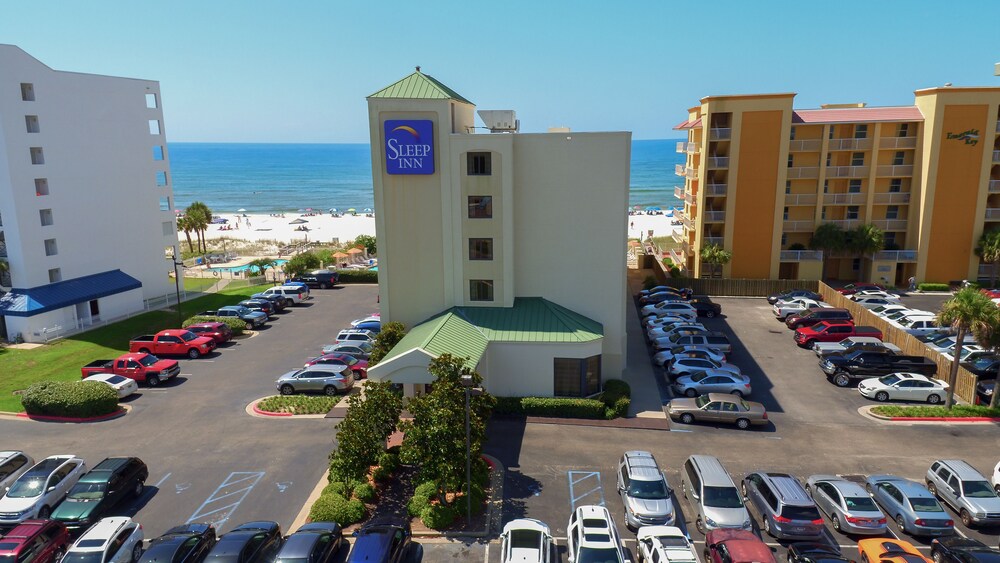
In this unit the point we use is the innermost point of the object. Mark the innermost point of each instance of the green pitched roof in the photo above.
(421, 87)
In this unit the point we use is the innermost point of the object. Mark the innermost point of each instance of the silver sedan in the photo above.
(712, 381)
(690, 366)
(848, 505)
(911, 505)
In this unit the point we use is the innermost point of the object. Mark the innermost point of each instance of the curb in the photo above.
(866, 412)
(252, 410)
(122, 411)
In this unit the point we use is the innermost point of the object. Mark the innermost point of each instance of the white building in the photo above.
(86, 205)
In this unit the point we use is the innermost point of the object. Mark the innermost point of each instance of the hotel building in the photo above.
(86, 207)
(504, 248)
(760, 177)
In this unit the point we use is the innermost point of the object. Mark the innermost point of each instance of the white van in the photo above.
(294, 294)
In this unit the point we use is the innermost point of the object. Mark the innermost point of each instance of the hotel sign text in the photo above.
(409, 146)
(971, 136)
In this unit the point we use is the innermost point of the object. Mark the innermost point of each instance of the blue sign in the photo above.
(409, 146)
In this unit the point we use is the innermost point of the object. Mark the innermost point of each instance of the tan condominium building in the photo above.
(500, 247)
(761, 176)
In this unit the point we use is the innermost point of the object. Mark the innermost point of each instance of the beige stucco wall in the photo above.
(524, 369)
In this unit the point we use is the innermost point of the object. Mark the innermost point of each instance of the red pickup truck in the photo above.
(144, 368)
(832, 331)
(173, 342)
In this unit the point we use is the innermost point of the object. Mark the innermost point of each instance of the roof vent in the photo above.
(844, 106)
(500, 120)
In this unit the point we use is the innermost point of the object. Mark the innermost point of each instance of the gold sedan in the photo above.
(718, 407)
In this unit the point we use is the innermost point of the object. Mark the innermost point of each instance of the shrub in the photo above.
(616, 398)
(337, 488)
(437, 516)
(389, 461)
(332, 507)
(675, 272)
(478, 496)
(364, 492)
(358, 276)
(562, 407)
(649, 283)
(76, 399)
(421, 498)
(381, 474)
(958, 411)
(236, 325)
(933, 287)
(668, 263)
(298, 404)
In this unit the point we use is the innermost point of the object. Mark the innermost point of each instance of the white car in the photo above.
(897, 319)
(872, 302)
(122, 385)
(664, 357)
(591, 536)
(904, 387)
(665, 544)
(688, 366)
(919, 325)
(369, 319)
(39, 489)
(875, 293)
(886, 310)
(782, 309)
(354, 335)
(686, 328)
(996, 478)
(967, 350)
(525, 540)
(12, 465)
(111, 540)
(676, 308)
(668, 320)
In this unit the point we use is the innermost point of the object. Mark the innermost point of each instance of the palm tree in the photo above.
(988, 249)
(184, 223)
(991, 341)
(968, 311)
(716, 256)
(200, 216)
(261, 265)
(829, 238)
(4, 270)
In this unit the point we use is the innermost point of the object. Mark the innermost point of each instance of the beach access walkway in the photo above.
(647, 401)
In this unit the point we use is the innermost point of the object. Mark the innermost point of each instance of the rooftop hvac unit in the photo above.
(500, 120)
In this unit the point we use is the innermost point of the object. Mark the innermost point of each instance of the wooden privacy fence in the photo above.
(727, 287)
(965, 384)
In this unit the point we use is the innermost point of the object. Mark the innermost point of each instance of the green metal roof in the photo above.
(419, 86)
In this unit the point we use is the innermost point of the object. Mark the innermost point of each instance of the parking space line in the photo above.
(575, 478)
(162, 480)
(248, 480)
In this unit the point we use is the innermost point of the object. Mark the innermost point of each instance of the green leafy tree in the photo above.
(865, 241)
(988, 249)
(368, 242)
(201, 217)
(260, 266)
(4, 271)
(716, 257)
(301, 263)
(324, 255)
(968, 311)
(185, 224)
(989, 338)
(371, 418)
(387, 338)
(435, 437)
(829, 238)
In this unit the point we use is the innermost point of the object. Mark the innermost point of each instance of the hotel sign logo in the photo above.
(409, 146)
(970, 136)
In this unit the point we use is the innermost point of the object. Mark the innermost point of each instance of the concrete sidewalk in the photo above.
(647, 398)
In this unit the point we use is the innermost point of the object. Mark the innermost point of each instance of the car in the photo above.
(691, 365)
(377, 317)
(251, 542)
(316, 542)
(188, 543)
(967, 351)
(910, 505)
(646, 496)
(109, 482)
(706, 308)
(943, 332)
(983, 367)
(359, 367)
(665, 544)
(963, 550)
(904, 387)
(330, 379)
(263, 305)
(815, 315)
(660, 288)
(360, 350)
(852, 288)
(675, 308)
(354, 335)
(716, 340)
(123, 386)
(591, 536)
(785, 509)
(220, 332)
(665, 322)
(948, 343)
(663, 358)
(657, 330)
(874, 293)
(984, 394)
(884, 310)
(900, 319)
(117, 539)
(665, 334)
(792, 294)
(660, 297)
(736, 546)
(374, 326)
(253, 319)
(40, 488)
(297, 285)
(920, 324)
(965, 489)
(323, 279)
(809, 552)
(525, 540)
(712, 381)
(718, 407)
(783, 309)
(713, 495)
(381, 540)
(34, 541)
(889, 550)
(847, 504)
(295, 294)
(13, 463)
(278, 300)
(870, 302)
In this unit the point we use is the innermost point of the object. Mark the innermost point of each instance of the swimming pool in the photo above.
(243, 267)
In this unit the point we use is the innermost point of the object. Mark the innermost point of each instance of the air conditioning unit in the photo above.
(500, 120)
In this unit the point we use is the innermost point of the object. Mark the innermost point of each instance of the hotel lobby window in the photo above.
(576, 377)
(480, 207)
(480, 290)
(480, 249)
(479, 164)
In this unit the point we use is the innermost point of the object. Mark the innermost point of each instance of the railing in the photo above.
(692, 148)
(895, 170)
(685, 220)
(996, 156)
(849, 144)
(896, 255)
(687, 147)
(677, 236)
(718, 162)
(681, 146)
(715, 216)
(845, 223)
(805, 145)
(677, 257)
(800, 199)
(679, 192)
(3, 249)
(712, 240)
(720, 133)
(897, 142)
(846, 171)
(890, 224)
(798, 226)
(995, 186)
(889, 198)
(803, 172)
(844, 199)
(679, 169)
(716, 190)
(993, 213)
(689, 198)
(801, 255)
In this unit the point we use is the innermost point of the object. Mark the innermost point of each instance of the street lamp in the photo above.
(177, 287)
(467, 384)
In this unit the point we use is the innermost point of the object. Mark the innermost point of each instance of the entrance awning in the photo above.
(21, 302)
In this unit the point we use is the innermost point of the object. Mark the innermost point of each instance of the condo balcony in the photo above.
(796, 172)
(996, 157)
(897, 143)
(798, 226)
(679, 169)
(995, 186)
(3, 249)
(895, 170)
(715, 217)
(718, 162)
(801, 255)
(681, 146)
(890, 224)
(687, 147)
(715, 190)
(844, 223)
(849, 144)
(897, 255)
(845, 199)
(712, 240)
(846, 171)
(677, 256)
(684, 219)
(800, 199)
(993, 214)
(679, 192)
(720, 134)
(678, 236)
(805, 145)
(892, 198)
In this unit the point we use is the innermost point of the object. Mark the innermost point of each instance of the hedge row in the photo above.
(357, 276)
(438, 516)
(958, 411)
(77, 399)
(298, 404)
(236, 325)
(933, 287)
(614, 402)
(333, 507)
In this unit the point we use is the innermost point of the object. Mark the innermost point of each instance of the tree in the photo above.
(301, 263)
(368, 242)
(4, 270)
(324, 255)
(185, 224)
(968, 311)
(865, 240)
(988, 249)
(361, 436)
(390, 335)
(201, 217)
(829, 238)
(260, 265)
(716, 256)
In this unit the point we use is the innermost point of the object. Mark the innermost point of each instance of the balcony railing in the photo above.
(3, 249)
(844, 223)
(845, 199)
(715, 190)
(678, 236)
(685, 220)
(994, 188)
(681, 146)
(677, 256)
(993, 214)
(687, 147)
(895, 170)
(890, 224)
(892, 198)
(798, 226)
(800, 199)
(801, 255)
(849, 144)
(720, 133)
(846, 171)
(679, 169)
(712, 240)
(805, 145)
(996, 157)
(679, 192)
(897, 142)
(718, 162)
(896, 255)
(715, 216)
(803, 172)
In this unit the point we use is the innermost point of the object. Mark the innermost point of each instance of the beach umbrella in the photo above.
(333, 210)
(302, 210)
(309, 209)
(339, 255)
(297, 222)
(368, 210)
(355, 251)
(241, 210)
(352, 210)
(652, 208)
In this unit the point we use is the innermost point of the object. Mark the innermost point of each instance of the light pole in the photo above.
(177, 287)
(470, 390)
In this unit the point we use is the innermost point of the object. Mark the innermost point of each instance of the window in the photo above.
(784, 239)
(860, 131)
(858, 159)
(889, 240)
(826, 186)
(832, 131)
(829, 159)
(480, 290)
(31, 123)
(164, 204)
(791, 160)
(168, 228)
(151, 101)
(895, 185)
(576, 377)
(788, 186)
(50, 247)
(480, 207)
(822, 213)
(854, 187)
(904, 130)
(154, 126)
(27, 92)
(480, 249)
(41, 186)
(36, 155)
(784, 215)
(45, 215)
(161, 178)
(852, 212)
(856, 264)
(157, 152)
(892, 212)
(791, 135)
(479, 164)
(898, 158)
(55, 274)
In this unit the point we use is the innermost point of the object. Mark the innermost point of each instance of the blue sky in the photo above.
(299, 71)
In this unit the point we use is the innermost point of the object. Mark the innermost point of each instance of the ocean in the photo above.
(273, 178)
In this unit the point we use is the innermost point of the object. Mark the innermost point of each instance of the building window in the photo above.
(480, 290)
(37, 157)
(168, 228)
(826, 186)
(852, 212)
(31, 123)
(904, 130)
(791, 135)
(791, 160)
(479, 164)
(45, 215)
(784, 239)
(829, 159)
(856, 264)
(895, 185)
(858, 159)
(27, 92)
(480, 249)
(50, 247)
(854, 187)
(480, 207)
(41, 186)
(157, 152)
(154, 126)
(151, 101)
(822, 213)
(788, 186)
(784, 215)
(892, 212)
(898, 158)
(889, 241)
(55, 275)
(164, 204)
(161, 178)
(860, 131)
(833, 130)
(576, 377)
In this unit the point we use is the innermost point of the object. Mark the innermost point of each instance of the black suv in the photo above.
(253, 542)
(107, 484)
(962, 550)
(384, 540)
(322, 279)
(189, 543)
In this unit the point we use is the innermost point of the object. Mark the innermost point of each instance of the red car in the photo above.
(35, 541)
(852, 288)
(832, 331)
(359, 367)
(220, 332)
(736, 546)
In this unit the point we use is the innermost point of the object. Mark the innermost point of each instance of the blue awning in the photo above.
(22, 302)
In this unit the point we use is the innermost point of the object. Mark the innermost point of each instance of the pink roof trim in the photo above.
(857, 115)
(688, 124)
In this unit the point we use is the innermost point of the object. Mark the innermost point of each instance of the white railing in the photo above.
(715, 216)
(797, 226)
(993, 213)
(890, 224)
(720, 133)
(803, 172)
(689, 198)
(712, 240)
(897, 142)
(994, 186)
(679, 169)
(805, 145)
(897, 255)
(677, 256)
(800, 199)
(890, 198)
(846, 171)
(849, 144)
(715, 190)
(678, 236)
(844, 199)
(801, 255)
(718, 162)
(687, 147)
(679, 192)
(681, 146)
(895, 170)
(845, 223)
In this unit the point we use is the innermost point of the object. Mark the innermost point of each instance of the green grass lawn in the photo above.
(61, 361)
(958, 411)
(198, 284)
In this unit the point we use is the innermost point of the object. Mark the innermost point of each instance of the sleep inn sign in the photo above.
(409, 146)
